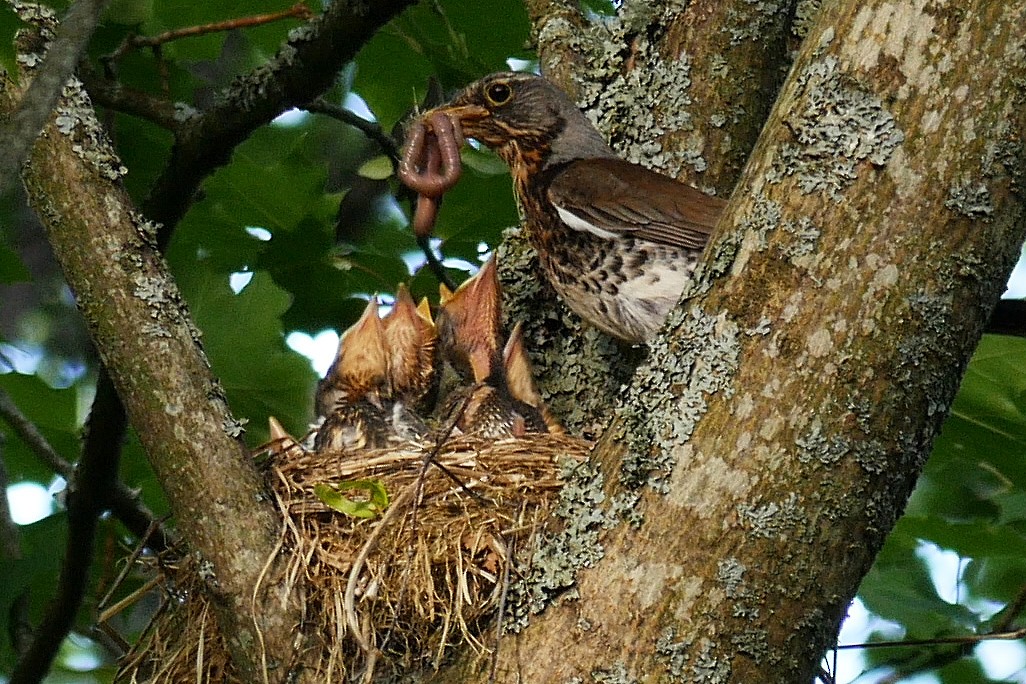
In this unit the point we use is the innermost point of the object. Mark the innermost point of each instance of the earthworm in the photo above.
(431, 166)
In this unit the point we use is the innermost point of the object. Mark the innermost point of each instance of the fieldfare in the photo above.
(617, 241)
(470, 334)
(351, 396)
(520, 377)
(410, 336)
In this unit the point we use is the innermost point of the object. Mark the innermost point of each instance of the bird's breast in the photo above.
(623, 286)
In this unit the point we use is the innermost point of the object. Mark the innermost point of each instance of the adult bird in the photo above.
(618, 242)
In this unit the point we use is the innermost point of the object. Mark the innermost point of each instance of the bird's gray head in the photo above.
(526, 119)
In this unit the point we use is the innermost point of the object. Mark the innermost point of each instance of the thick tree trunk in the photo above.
(151, 349)
(771, 439)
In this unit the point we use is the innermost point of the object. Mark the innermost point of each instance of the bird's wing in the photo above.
(609, 196)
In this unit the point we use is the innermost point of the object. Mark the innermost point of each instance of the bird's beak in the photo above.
(410, 340)
(362, 350)
(424, 311)
(519, 374)
(473, 317)
(469, 117)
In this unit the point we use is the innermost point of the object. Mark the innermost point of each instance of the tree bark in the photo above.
(147, 341)
(772, 437)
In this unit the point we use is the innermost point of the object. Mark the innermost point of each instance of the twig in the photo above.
(111, 94)
(128, 566)
(89, 490)
(124, 503)
(1012, 611)
(500, 613)
(434, 263)
(36, 106)
(391, 150)
(369, 128)
(134, 42)
(967, 639)
(18, 624)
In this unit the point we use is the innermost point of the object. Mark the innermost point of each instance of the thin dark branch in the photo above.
(1011, 612)
(112, 94)
(19, 631)
(33, 438)
(89, 492)
(9, 543)
(391, 150)
(36, 106)
(959, 640)
(369, 128)
(434, 263)
(124, 503)
(133, 42)
(303, 68)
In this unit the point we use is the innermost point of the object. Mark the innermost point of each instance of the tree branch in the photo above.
(19, 629)
(303, 68)
(124, 503)
(148, 343)
(369, 128)
(773, 435)
(37, 103)
(88, 493)
(112, 95)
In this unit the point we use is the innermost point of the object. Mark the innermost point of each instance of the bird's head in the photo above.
(469, 325)
(410, 335)
(526, 119)
(361, 363)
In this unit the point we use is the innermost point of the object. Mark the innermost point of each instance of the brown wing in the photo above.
(613, 196)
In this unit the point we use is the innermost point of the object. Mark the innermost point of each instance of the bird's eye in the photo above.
(498, 93)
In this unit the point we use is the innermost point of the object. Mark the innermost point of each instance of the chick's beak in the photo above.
(362, 355)
(410, 340)
(470, 321)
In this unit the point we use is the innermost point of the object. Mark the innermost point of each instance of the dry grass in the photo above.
(382, 595)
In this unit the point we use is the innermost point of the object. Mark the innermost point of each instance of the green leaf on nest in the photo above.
(375, 504)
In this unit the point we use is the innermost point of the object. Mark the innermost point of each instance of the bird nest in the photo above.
(388, 593)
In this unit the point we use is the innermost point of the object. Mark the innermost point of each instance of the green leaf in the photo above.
(54, 412)
(484, 162)
(378, 168)
(11, 268)
(9, 25)
(244, 340)
(373, 504)
(454, 40)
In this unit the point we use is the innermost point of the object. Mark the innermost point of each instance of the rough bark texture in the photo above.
(147, 341)
(771, 439)
(680, 87)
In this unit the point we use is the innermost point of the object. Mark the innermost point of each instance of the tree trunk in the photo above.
(151, 349)
(771, 438)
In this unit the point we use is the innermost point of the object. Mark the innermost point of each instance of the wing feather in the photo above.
(608, 196)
